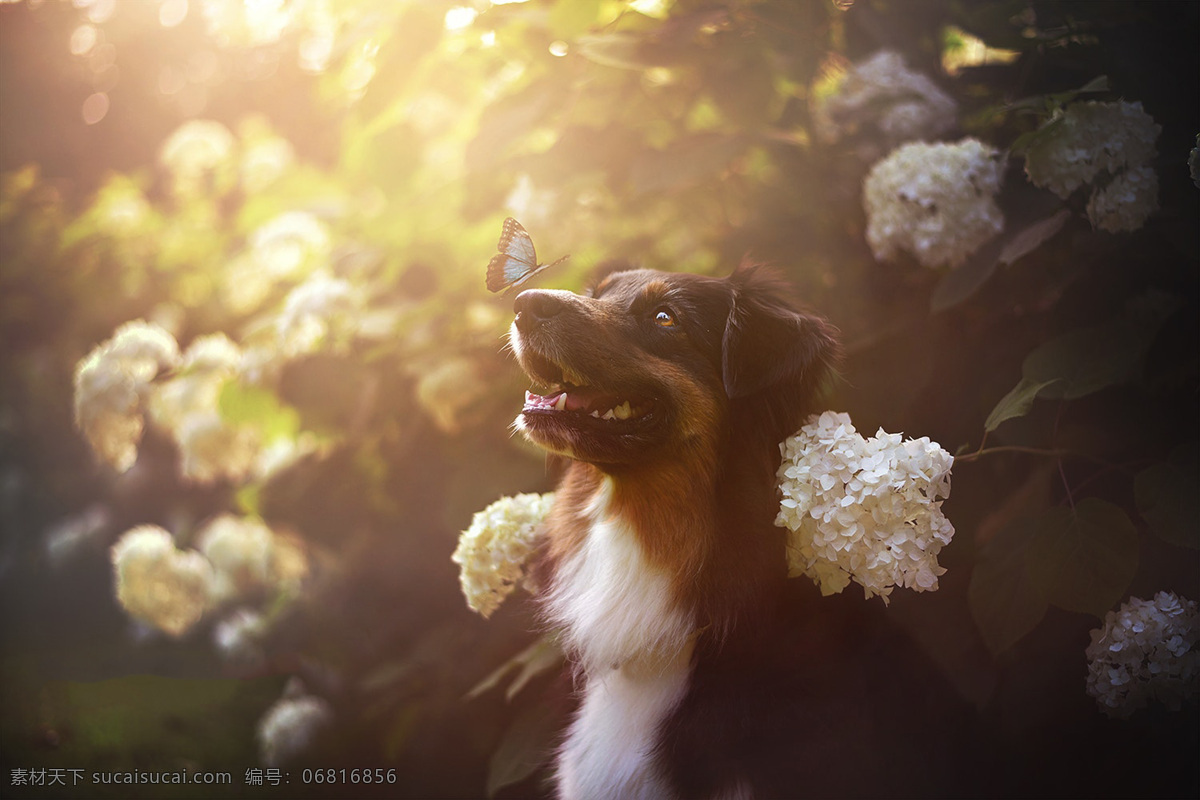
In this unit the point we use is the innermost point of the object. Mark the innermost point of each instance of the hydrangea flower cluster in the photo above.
(198, 148)
(292, 724)
(158, 583)
(1147, 650)
(935, 201)
(314, 311)
(884, 93)
(116, 391)
(285, 248)
(172, 589)
(111, 386)
(492, 552)
(1107, 147)
(240, 550)
(867, 510)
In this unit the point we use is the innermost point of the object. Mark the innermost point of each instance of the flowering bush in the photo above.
(1146, 650)
(867, 510)
(1105, 146)
(884, 94)
(935, 201)
(492, 552)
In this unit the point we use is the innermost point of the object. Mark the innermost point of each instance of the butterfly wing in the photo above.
(516, 259)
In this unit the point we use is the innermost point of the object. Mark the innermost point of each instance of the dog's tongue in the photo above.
(580, 398)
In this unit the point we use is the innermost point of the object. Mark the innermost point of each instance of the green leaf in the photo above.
(1030, 238)
(1084, 558)
(1005, 602)
(1016, 403)
(527, 744)
(965, 280)
(542, 655)
(248, 499)
(1165, 495)
(1089, 359)
(258, 407)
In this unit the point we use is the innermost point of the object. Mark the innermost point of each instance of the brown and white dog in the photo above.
(668, 394)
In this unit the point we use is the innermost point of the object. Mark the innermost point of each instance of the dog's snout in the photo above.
(535, 306)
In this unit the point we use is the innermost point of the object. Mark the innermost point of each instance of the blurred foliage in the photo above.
(377, 146)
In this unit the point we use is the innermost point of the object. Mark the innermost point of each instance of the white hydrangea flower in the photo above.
(265, 161)
(208, 362)
(867, 510)
(313, 311)
(1087, 139)
(291, 241)
(188, 407)
(492, 552)
(291, 726)
(1147, 650)
(111, 383)
(211, 449)
(935, 201)
(238, 637)
(241, 551)
(197, 148)
(158, 583)
(883, 92)
(1126, 202)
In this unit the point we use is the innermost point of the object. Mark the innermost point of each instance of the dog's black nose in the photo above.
(534, 306)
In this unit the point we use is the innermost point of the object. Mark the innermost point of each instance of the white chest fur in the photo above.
(608, 751)
(617, 615)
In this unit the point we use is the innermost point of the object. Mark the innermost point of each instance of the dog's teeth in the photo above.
(609, 415)
(595, 414)
(622, 411)
(561, 402)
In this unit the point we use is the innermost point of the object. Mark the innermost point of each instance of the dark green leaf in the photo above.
(527, 744)
(542, 655)
(1029, 239)
(1016, 403)
(1004, 600)
(1084, 361)
(1084, 558)
(963, 281)
(1165, 493)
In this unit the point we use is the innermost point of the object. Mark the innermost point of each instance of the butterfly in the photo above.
(516, 261)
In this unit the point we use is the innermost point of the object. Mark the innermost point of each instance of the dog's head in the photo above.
(652, 364)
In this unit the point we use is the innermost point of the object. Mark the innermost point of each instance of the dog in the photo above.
(703, 672)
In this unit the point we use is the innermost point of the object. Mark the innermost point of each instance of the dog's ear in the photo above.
(768, 343)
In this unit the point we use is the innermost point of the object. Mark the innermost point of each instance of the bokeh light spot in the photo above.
(172, 12)
(83, 39)
(95, 108)
(460, 17)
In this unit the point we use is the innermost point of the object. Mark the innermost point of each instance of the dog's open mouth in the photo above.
(585, 401)
(558, 390)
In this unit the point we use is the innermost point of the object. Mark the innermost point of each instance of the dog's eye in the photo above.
(664, 318)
